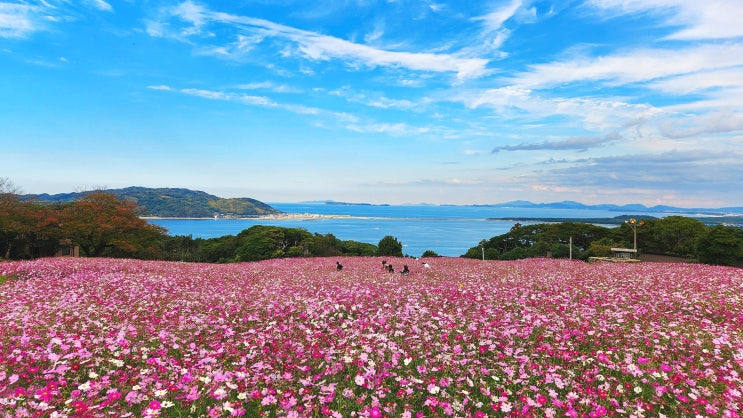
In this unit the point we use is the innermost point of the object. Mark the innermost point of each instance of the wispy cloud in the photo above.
(101, 5)
(581, 143)
(270, 86)
(723, 121)
(19, 20)
(160, 87)
(709, 19)
(494, 32)
(597, 114)
(24, 19)
(394, 129)
(227, 96)
(494, 20)
(261, 101)
(309, 45)
(622, 68)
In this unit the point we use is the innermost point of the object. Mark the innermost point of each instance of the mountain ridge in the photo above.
(171, 202)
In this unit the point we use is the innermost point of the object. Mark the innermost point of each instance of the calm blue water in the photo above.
(447, 230)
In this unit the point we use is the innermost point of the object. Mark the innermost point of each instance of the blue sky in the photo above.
(451, 102)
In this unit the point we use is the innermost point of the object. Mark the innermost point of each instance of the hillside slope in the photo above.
(173, 202)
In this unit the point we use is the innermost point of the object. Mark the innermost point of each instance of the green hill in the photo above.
(173, 202)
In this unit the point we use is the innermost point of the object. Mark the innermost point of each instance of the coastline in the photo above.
(273, 217)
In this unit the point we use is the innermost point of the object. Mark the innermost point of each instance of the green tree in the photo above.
(221, 249)
(674, 235)
(721, 245)
(356, 248)
(389, 246)
(261, 246)
(261, 242)
(182, 248)
(430, 253)
(540, 249)
(326, 246)
(602, 248)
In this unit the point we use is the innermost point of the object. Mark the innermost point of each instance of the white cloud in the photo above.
(726, 78)
(494, 20)
(269, 85)
(633, 67)
(21, 20)
(322, 47)
(161, 87)
(101, 5)
(722, 121)
(708, 19)
(394, 129)
(262, 101)
(18, 20)
(312, 45)
(220, 95)
(596, 114)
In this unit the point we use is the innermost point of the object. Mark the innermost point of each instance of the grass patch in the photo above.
(5, 279)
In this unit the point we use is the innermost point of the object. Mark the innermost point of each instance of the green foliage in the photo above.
(326, 246)
(356, 248)
(721, 245)
(389, 246)
(264, 242)
(182, 248)
(539, 240)
(429, 253)
(566, 251)
(673, 235)
(5, 279)
(540, 249)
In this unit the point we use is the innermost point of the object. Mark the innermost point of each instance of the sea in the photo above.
(447, 230)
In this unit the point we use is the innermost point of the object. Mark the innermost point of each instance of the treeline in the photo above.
(261, 243)
(676, 236)
(103, 225)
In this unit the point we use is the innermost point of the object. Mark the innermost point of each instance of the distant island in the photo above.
(735, 211)
(173, 203)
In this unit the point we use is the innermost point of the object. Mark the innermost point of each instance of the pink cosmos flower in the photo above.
(45, 394)
(80, 407)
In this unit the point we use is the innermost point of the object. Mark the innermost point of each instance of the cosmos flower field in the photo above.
(295, 338)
